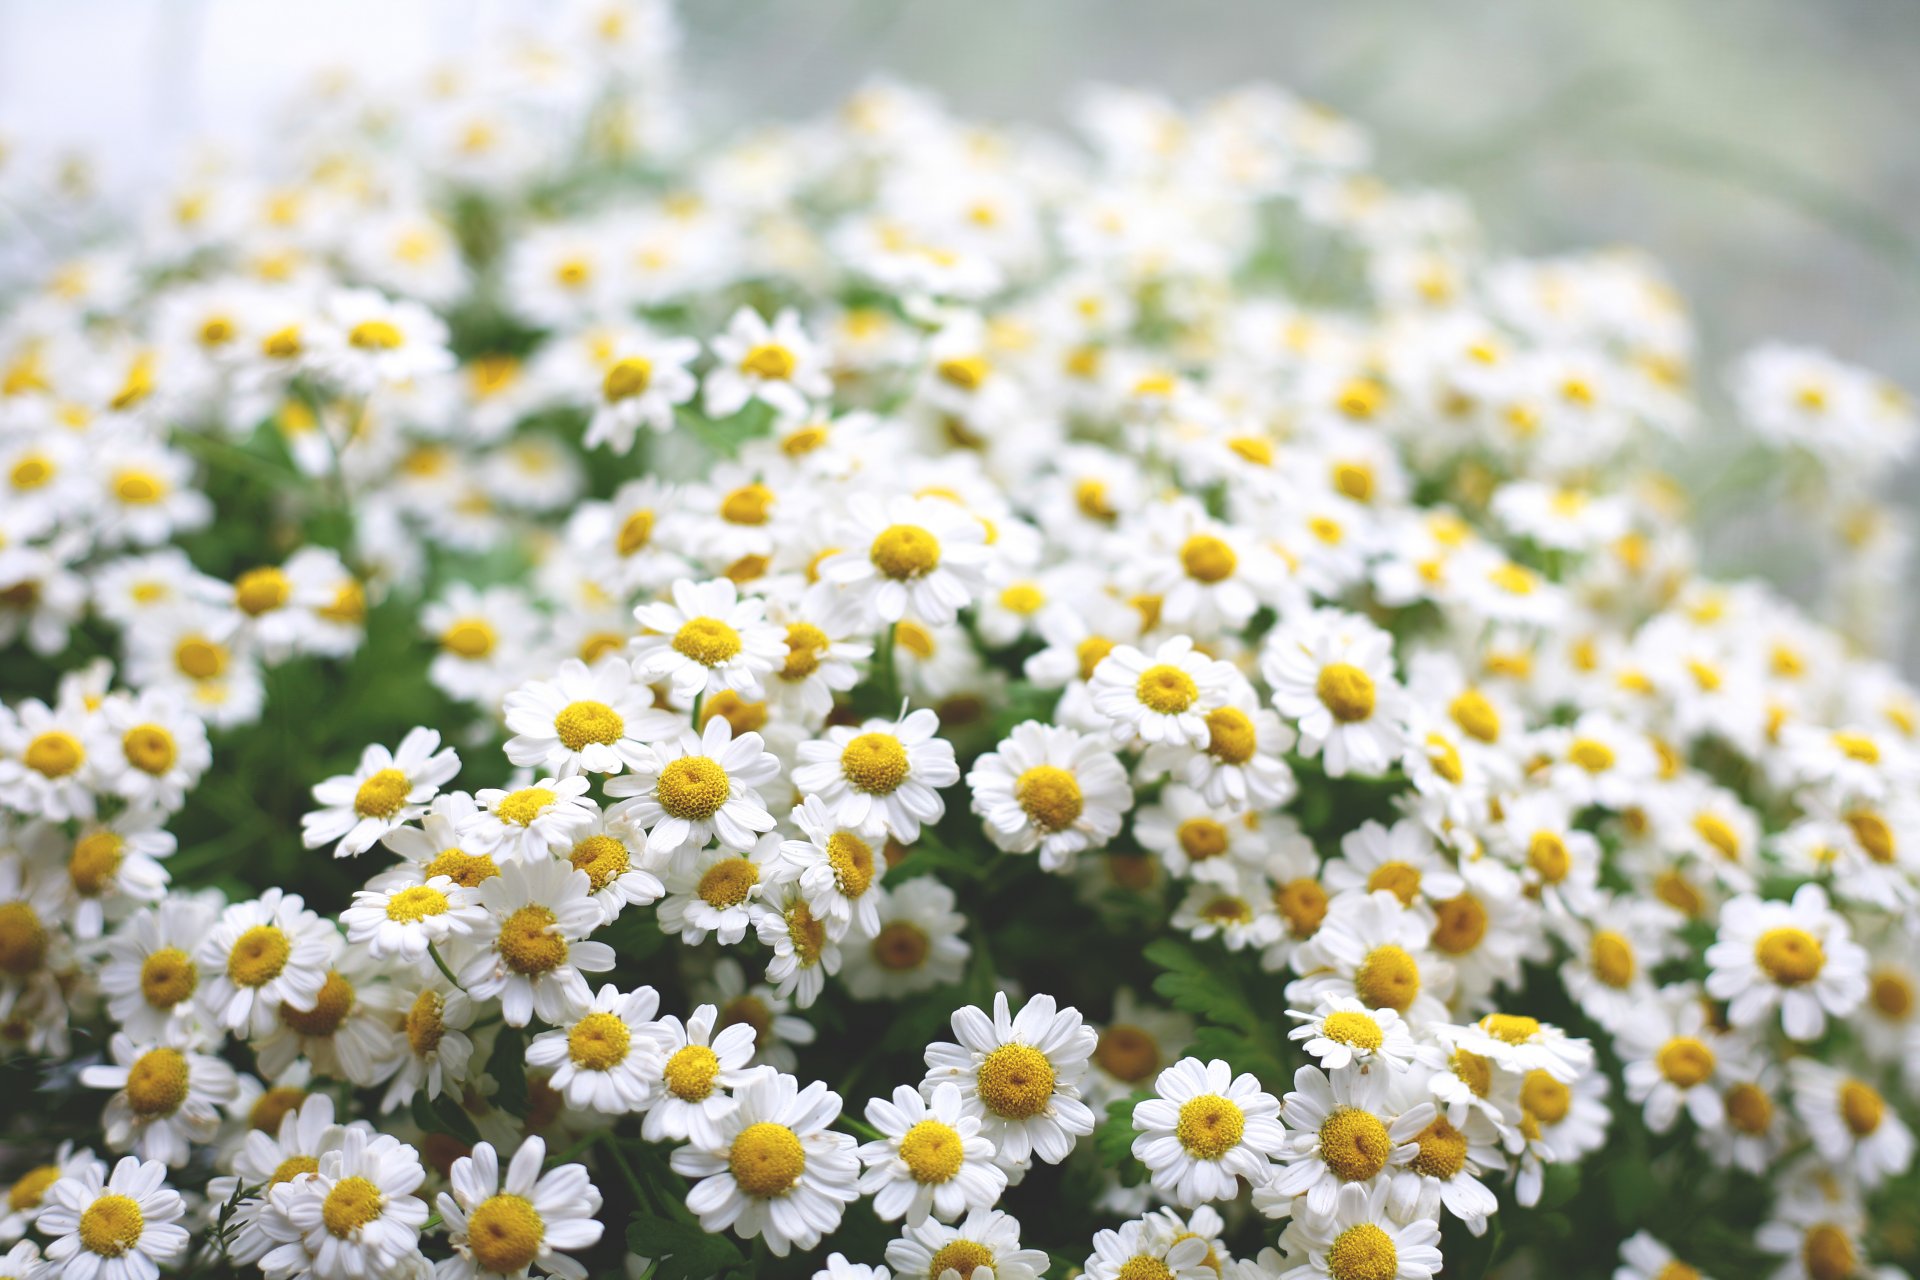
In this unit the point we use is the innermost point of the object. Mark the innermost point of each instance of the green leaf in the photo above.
(1113, 1138)
(443, 1115)
(1207, 986)
(683, 1250)
(507, 1064)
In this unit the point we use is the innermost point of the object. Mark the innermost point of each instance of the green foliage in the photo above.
(1240, 1021)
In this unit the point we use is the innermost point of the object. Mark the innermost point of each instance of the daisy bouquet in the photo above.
(888, 697)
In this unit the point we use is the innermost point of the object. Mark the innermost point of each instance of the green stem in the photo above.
(862, 1128)
(441, 965)
(886, 671)
(698, 698)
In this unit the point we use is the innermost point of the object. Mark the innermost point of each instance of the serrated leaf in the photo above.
(1232, 1026)
(681, 1249)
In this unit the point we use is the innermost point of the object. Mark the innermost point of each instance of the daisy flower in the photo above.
(1342, 1033)
(1163, 699)
(887, 771)
(1374, 950)
(918, 558)
(1644, 1258)
(708, 638)
(985, 1243)
(529, 824)
(593, 721)
(778, 364)
(1852, 1125)
(349, 1032)
(821, 660)
(1195, 839)
(387, 789)
(149, 976)
(806, 951)
(166, 1096)
(641, 380)
(1144, 1247)
(1797, 956)
(404, 920)
(838, 867)
(620, 872)
(717, 891)
(1237, 908)
(700, 1067)
(1402, 859)
(356, 1214)
(917, 947)
(1519, 1043)
(773, 1169)
(265, 1159)
(686, 790)
(1206, 1129)
(1332, 675)
(1021, 1075)
(149, 749)
(1136, 1042)
(118, 1226)
(1239, 767)
(112, 865)
(1342, 1134)
(1357, 1237)
(44, 766)
(381, 341)
(433, 848)
(601, 1057)
(434, 1022)
(930, 1158)
(533, 953)
(775, 1028)
(1673, 1059)
(262, 955)
(1445, 1174)
(1050, 789)
(503, 1227)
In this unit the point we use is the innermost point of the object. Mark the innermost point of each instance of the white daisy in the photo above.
(533, 950)
(122, 1226)
(261, 955)
(686, 790)
(909, 558)
(404, 920)
(917, 948)
(503, 1227)
(884, 770)
(1673, 1059)
(1357, 1238)
(1136, 1247)
(806, 948)
(1050, 789)
(699, 1070)
(356, 1214)
(349, 1032)
(45, 770)
(1021, 1074)
(775, 1171)
(1162, 699)
(167, 1096)
(930, 1158)
(1342, 1032)
(1206, 1129)
(601, 1057)
(530, 823)
(1332, 675)
(1853, 1126)
(620, 871)
(597, 721)
(1342, 1134)
(709, 638)
(434, 1021)
(718, 890)
(149, 976)
(838, 867)
(776, 363)
(150, 750)
(641, 380)
(1375, 950)
(386, 790)
(1798, 956)
(1644, 1258)
(985, 1243)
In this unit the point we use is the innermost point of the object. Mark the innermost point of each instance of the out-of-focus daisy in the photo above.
(776, 363)
(386, 789)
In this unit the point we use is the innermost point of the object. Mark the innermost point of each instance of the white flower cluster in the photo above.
(867, 543)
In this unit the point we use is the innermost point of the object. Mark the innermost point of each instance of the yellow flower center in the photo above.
(750, 504)
(1230, 735)
(31, 472)
(808, 933)
(1209, 1126)
(806, 645)
(627, 378)
(964, 372)
(292, 1167)
(23, 939)
(728, 882)
(1022, 598)
(1873, 833)
(1349, 1027)
(200, 659)
(259, 591)
(1363, 1252)
(1354, 1144)
(138, 488)
(1016, 1081)
(852, 862)
(1613, 959)
(582, 722)
(1591, 755)
(1166, 689)
(598, 1042)
(382, 794)
(635, 532)
(603, 858)
(415, 903)
(111, 1226)
(1686, 1061)
(1346, 691)
(95, 860)
(1862, 1107)
(465, 869)
(55, 754)
(1891, 996)
(1302, 903)
(875, 763)
(426, 1024)
(1462, 923)
(157, 1083)
(1547, 854)
(933, 1152)
(690, 1073)
(31, 1186)
(149, 748)
(961, 1256)
(505, 1234)
(258, 956)
(1127, 1053)
(1749, 1109)
(904, 552)
(1791, 957)
(692, 788)
(1143, 1266)
(274, 1106)
(901, 947)
(1050, 796)
(1544, 1098)
(167, 977)
(766, 1160)
(1857, 746)
(1207, 558)
(520, 808)
(707, 641)
(1827, 1253)
(1443, 1150)
(1475, 715)
(350, 1205)
(1091, 652)
(1401, 879)
(528, 943)
(469, 638)
(1513, 1028)
(1201, 838)
(330, 1009)
(1389, 978)
(375, 335)
(770, 361)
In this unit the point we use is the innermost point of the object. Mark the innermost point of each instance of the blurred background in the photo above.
(1762, 149)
